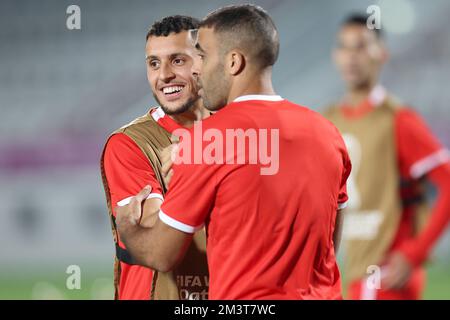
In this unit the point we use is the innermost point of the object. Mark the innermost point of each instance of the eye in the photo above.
(178, 61)
(154, 64)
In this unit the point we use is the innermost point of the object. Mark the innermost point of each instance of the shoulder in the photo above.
(331, 110)
(121, 147)
(146, 132)
(144, 122)
(407, 120)
(405, 113)
(393, 105)
(319, 120)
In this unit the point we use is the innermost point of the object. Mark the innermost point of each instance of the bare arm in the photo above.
(337, 235)
(159, 247)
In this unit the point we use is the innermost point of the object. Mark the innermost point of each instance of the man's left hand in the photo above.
(131, 213)
(398, 272)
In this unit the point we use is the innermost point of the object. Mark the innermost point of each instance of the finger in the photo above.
(402, 281)
(166, 167)
(136, 202)
(166, 159)
(169, 176)
(143, 194)
(388, 279)
(170, 152)
(166, 152)
(174, 152)
(394, 281)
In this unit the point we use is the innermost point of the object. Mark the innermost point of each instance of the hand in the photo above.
(131, 213)
(398, 272)
(167, 157)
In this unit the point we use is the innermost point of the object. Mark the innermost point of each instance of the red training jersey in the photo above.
(269, 236)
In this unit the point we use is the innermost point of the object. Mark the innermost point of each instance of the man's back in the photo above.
(271, 221)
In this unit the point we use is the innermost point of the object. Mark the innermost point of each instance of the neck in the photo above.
(196, 113)
(356, 95)
(257, 82)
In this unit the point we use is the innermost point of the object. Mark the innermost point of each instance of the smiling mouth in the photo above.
(172, 91)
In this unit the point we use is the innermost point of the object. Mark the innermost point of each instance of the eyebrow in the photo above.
(172, 56)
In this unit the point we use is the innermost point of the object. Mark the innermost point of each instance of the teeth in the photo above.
(173, 89)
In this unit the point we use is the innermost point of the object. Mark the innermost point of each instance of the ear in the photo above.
(235, 62)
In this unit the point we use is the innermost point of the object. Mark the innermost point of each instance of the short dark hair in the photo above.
(360, 19)
(172, 24)
(248, 27)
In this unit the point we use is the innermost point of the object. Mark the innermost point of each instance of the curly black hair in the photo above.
(172, 24)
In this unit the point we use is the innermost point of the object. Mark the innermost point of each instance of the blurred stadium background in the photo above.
(63, 91)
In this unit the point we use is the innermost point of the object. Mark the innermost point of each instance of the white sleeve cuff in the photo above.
(342, 205)
(177, 224)
(422, 167)
(126, 201)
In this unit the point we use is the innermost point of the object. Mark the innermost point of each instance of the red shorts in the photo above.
(358, 290)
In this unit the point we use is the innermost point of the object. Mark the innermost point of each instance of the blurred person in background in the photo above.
(393, 152)
(133, 157)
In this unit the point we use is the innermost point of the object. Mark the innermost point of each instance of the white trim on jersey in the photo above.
(342, 205)
(127, 201)
(260, 97)
(158, 114)
(425, 165)
(177, 224)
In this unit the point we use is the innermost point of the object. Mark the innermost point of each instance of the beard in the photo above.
(215, 93)
(183, 108)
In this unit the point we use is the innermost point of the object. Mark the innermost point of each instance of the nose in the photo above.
(165, 73)
(196, 66)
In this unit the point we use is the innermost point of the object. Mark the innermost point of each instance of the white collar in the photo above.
(158, 114)
(261, 97)
(377, 95)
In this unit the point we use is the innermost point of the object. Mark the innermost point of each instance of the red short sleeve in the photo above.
(190, 197)
(419, 151)
(128, 170)
(191, 193)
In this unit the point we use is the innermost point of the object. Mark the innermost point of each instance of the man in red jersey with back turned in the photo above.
(270, 214)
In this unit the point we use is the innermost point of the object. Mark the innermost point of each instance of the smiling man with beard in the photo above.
(132, 158)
